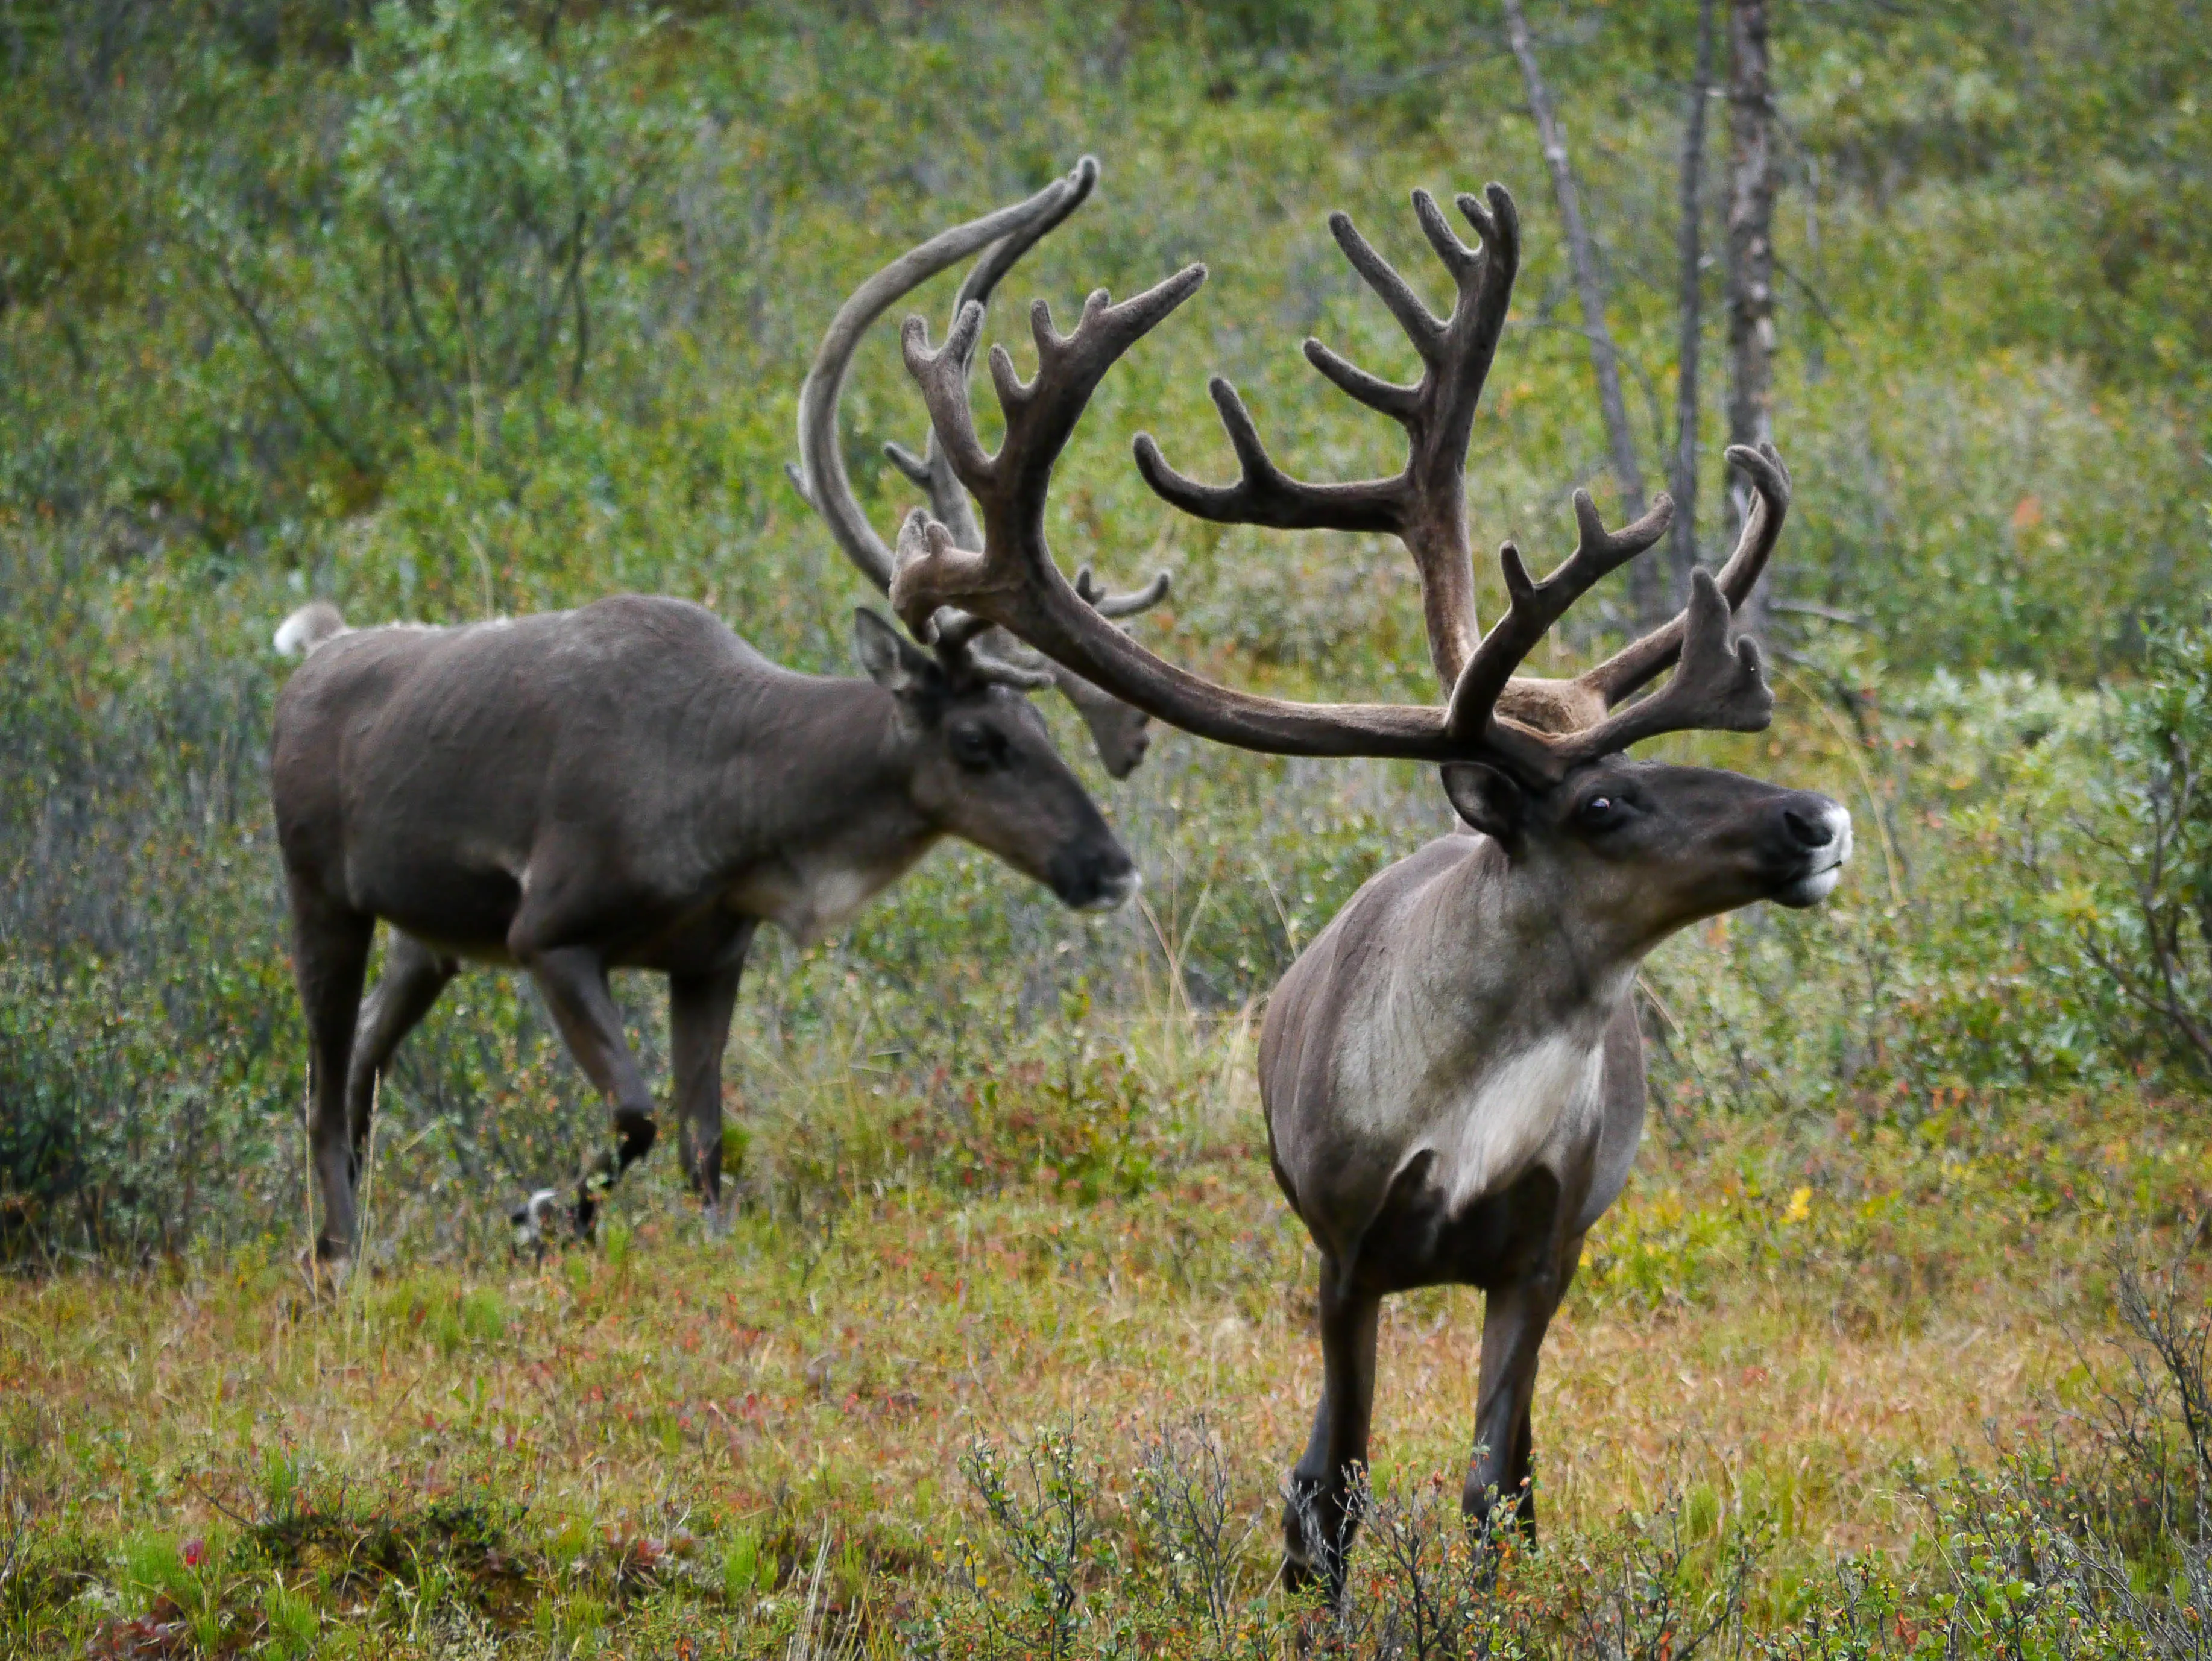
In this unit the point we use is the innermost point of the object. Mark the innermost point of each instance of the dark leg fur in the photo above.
(575, 982)
(1319, 1519)
(699, 1009)
(329, 959)
(1514, 1321)
(413, 977)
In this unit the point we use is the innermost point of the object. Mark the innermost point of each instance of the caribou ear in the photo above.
(1487, 799)
(890, 658)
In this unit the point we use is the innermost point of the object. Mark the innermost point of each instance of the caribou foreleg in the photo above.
(699, 1008)
(574, 979)
(1320, 1518)
(1515, 1315)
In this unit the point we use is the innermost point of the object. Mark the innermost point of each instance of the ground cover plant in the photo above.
(1895, 1342)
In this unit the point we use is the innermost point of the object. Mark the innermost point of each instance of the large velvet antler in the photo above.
(1423, 505)
(979, 646)
(1538, 729)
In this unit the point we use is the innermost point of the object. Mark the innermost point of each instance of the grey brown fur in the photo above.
(1452, 1072)
(628, 785)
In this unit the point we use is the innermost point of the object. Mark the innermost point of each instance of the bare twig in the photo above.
(1589, 286)
(1682, 483)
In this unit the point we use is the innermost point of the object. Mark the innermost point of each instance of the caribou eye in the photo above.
(978, 749)
(1599, 811)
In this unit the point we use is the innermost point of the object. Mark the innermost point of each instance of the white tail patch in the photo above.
(309, 627)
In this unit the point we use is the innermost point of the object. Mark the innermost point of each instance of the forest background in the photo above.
(448, 310)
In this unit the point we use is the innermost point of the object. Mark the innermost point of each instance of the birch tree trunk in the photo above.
(1753, 179)
(1682, 481)
(1646, 586)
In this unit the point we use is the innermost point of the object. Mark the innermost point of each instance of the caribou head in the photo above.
(980, 763)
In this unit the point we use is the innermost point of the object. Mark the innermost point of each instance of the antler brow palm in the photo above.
(1452, 1072)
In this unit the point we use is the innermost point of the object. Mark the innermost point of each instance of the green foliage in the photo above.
(446, 310)
(1041, 1509)
(1085, 1120)
(2143, 914)
(145, 1052)
(480, 194)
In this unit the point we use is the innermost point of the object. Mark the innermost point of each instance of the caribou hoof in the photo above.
(1308, 1563)
(326, 1266)
(534, 1219)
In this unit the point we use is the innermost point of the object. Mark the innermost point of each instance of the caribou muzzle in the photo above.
(1094, 878)
(1812, 838)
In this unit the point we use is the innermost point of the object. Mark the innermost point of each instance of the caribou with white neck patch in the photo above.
(1452, 1072)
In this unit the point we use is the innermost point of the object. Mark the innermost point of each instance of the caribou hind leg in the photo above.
(574, 979)
(699, 1008)
(329, 959)
(1319, 1517)
(413, 977)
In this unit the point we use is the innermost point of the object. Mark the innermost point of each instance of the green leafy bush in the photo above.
(2142, 911)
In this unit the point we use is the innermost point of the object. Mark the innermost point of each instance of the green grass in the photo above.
(1788, 1326)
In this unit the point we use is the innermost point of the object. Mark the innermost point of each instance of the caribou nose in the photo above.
(1100, 882)
(1818, 835)
(1114, 892)
(1806, 831)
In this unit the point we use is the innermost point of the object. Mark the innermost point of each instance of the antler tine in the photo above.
(990, 651)
(1642, 660)
(917, 471)
(821, 480)
(964, 647)
(942, 374)
(1402, 403)
(1459, 259)
(1422, 326)
(1007, 252)
(1720, 686)
(931, 471)
(1041, 413)
(955, 631)
(1093, 593)
(1534, 606)
(1264, 494)
(1424, 504)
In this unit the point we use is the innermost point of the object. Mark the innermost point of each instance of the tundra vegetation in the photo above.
(1895, 1343)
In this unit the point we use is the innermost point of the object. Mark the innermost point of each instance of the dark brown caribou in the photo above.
(1452, 1074)
(629, 785)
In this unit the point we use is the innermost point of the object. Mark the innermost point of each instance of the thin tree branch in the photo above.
(1690, 310)
(1589, 286)
(1819, 306)
(318, 417)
